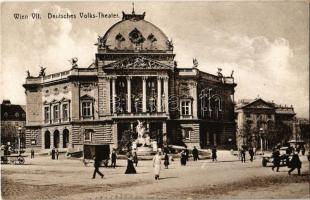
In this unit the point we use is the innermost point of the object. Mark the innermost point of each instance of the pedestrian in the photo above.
(254, 150)
(166, 162)
(276, 159)
(251, 153)
(195, 154)
(242, 153)
(96, 166)
(57, 154)
(113, 159)
(53, 153)
(303, 150)
(157, 165)
(32, 153)
(130, 168)
(135, 158)
(186, 153)
(294, 163)
(183, 158)
(214, 156)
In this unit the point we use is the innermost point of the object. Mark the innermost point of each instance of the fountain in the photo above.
(143, 144)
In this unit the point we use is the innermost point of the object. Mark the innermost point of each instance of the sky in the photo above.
(265, 43)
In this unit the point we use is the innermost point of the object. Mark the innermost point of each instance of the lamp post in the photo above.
(261, 131)
(19, 134)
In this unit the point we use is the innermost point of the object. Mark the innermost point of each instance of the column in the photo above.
(158, 94)
(42, 139)
(195, 116)
(208, 138)
(165, 134)
(166, 94)
(144, 94)
(52, 139)
(61, 139)
(114, 132)
(128, 94)
(108, 95)
(113, 94)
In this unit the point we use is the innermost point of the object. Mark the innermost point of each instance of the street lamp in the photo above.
(261, 131)
(19, 134)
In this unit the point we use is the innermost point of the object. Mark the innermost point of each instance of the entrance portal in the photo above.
(47, 140)
(56, 139)
(65, 138)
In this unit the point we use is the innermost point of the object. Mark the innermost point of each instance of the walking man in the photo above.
(96, 166)
(32, 153)
(242, 154)
(113, 159)
(157, 165)
(295, 163)
(214, 156)
(276, 159)
(195, 154)
(251, 152)
(57, 154)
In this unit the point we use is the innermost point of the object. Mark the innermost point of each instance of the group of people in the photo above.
(132, 161)
(54, 153)
(293, 163)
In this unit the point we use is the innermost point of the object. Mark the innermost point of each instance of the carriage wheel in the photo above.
(21, 160)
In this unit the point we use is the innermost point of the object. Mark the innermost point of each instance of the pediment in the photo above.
(259, 104)
(138, 62)
(86, 97)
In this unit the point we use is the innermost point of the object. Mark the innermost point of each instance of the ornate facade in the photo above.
(134, 77)
(263, 124)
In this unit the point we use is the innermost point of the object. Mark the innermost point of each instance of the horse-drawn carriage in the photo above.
(12, 158)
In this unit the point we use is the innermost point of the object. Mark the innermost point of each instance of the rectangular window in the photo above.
(88, 135)
(86, 109)
(46, 114)
(65, 112)
(247, 115)
(185, 108)
(187, 133)
(269, 116)
(56, 113)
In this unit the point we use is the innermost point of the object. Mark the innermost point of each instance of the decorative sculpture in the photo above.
(219, 72)
(42, 71)
(73, 62)
(232, 74)
(136, 37)
(195, 63)
(28, 74)
(101, 42)
(143, 138)
(169, 44)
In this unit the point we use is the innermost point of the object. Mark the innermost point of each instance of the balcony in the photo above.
(140, 115)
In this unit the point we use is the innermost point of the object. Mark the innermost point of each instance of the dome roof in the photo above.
(134, 33)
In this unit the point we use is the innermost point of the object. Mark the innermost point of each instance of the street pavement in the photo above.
(43, 178)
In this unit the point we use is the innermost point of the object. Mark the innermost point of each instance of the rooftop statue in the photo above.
(42, 71)
(219, 72)
(73, 62)
(28, 74)
(195, 63)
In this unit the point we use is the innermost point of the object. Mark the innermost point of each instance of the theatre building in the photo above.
(134, 78)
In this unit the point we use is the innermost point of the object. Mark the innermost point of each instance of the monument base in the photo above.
(145, 151)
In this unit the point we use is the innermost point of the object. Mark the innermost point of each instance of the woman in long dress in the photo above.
(130, 168)
(157, 165)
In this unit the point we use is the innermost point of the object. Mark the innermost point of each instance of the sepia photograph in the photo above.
(154, 100)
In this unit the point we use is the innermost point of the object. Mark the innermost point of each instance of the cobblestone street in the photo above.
(43, 178)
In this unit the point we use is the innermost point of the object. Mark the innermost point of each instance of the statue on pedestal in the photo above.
(143, 138)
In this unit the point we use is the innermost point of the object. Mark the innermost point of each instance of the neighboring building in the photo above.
(261, 123)
(13, 121)
(134, 77)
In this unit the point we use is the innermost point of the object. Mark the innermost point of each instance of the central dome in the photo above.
(134, 33)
